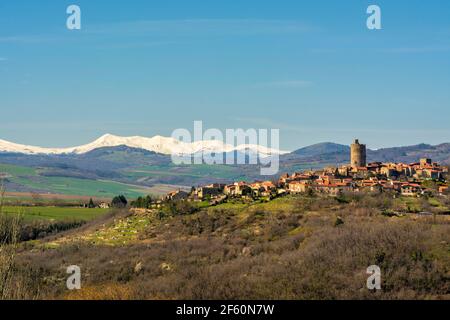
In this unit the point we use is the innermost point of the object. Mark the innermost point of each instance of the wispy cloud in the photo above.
(27, 39)
(301, 128)
(285, 84)
(424, 49)
(393, 50)
(203, 27)
(269, 123)
(137, 44)
(163, 32)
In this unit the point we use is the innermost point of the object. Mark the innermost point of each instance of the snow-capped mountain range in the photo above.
(158, 144)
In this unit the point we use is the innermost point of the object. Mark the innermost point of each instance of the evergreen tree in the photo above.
(119, 202)
(143, 203)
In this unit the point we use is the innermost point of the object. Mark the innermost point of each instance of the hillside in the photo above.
(440, 153)
(324, 154)
(291, 248)
(321, 149)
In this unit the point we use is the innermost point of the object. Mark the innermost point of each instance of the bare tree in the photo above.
(9, 238)
(37, 199)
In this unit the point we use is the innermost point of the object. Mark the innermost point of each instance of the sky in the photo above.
(309, 68)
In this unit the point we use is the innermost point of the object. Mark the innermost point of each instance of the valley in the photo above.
(107, 171)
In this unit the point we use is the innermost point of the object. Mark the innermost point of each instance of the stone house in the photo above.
(210, 191)
(177, 195)
(411, 190)
(104, 205)
(238, 189)
(298, 187)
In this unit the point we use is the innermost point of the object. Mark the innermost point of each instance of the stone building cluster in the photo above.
(400, 178)
(406, 179)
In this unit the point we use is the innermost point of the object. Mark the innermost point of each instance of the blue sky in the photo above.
(309, 68)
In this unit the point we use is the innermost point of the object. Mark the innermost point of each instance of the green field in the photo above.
(55, 213)
(197, 171)
(30, 178)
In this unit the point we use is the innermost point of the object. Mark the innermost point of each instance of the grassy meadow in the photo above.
(44, 213)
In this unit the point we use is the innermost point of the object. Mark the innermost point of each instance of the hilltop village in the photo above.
(414, 179)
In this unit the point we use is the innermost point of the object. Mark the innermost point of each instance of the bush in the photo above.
(42, 229)
(179, 207)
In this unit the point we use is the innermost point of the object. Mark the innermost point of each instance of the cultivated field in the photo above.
(34, 179)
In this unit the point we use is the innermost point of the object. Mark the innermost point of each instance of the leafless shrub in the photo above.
(10, 226)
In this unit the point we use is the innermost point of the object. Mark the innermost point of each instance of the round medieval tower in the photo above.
(358, 154)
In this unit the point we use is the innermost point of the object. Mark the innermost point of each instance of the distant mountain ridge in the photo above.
(321, 149)
(158, 144)
(338, 153)
(135, 166)
(323, 152)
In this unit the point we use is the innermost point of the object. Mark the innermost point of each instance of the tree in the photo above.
(119, 202)
(142, 202)
(91, 204)
(137, 203)
(37, 199)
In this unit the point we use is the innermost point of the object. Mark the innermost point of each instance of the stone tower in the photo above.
(358, 154)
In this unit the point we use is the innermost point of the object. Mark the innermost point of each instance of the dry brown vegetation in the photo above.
(11, 285)
(293, 248)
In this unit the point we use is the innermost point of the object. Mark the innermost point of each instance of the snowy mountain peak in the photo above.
(158, 144)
